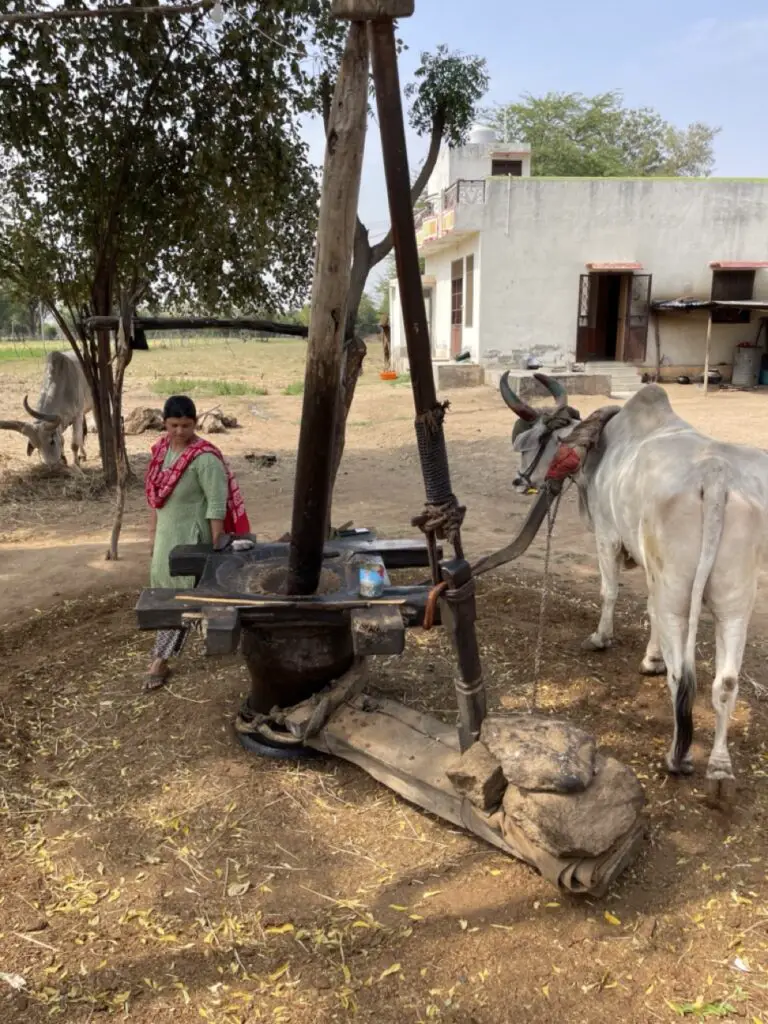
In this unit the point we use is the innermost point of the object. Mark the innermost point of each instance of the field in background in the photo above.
(150, 871)
(203, 364)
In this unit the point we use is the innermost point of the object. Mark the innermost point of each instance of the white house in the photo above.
(567, 269)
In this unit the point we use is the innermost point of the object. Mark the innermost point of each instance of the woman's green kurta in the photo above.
(200, 495)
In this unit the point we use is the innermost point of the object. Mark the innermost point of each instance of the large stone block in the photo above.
(579, 824)
(478, 776)
(458, 375)
(542, 754)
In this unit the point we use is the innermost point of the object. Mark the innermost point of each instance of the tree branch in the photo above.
(382, 249)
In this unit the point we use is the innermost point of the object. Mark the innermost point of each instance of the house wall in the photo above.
(473, 163)
(438, 273)
(439, 267)
(539, 234)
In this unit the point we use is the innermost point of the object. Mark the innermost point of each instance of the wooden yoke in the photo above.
(372, 10)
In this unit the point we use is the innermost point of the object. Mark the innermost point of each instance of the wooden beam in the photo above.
(372, 10)
(411, 754)
(116, 11)
(333, 262)
(201, 323)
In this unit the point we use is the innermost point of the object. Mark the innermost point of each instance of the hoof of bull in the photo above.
(653, 667)
(595, 643)
(720, 792)
(682, 768)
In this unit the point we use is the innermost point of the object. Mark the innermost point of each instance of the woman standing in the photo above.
(194, 499)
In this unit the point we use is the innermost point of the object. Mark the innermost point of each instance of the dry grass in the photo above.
(40, 484)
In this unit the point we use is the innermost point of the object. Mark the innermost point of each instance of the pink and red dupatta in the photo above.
(160, 483)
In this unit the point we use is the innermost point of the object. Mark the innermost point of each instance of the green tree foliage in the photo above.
(17, 316)
(159, 159)
(572, 135)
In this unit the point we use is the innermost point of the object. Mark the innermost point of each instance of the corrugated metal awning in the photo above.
(739, 265)
(615, 265)
(670, 305)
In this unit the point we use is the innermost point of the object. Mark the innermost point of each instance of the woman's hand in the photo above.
(217, 529)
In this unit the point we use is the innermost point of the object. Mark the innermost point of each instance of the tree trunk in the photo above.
(353, 367)
(361, 268)
(124, 356)
(102, 383)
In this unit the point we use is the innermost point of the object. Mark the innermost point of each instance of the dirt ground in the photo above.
(152, 870)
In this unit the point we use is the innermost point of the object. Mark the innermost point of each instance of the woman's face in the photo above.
(180, 430)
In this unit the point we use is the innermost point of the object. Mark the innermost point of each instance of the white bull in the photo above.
(65, 398)
(693, 512)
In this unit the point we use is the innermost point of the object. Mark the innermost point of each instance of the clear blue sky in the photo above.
(693, 60)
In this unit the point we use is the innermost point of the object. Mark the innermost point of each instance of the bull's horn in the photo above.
(554, 387)
(23, 428)
(518, 407)
(43, 416)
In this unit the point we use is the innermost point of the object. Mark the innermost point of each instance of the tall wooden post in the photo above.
(443, 514)
(707, 353)
(333, 260)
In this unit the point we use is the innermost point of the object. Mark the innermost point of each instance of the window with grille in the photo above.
(507, 168)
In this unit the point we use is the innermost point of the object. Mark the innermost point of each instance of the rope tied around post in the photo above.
(443, 516)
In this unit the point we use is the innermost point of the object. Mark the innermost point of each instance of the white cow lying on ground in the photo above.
(693, 512)
(65, 398)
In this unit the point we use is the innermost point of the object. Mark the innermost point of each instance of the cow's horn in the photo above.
(23, 428)
(554, 387)
(518, 407)
(43, 416)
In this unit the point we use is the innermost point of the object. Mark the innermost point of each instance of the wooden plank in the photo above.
(192, 597)
(414, 765)
(427, 725)
(333, 261)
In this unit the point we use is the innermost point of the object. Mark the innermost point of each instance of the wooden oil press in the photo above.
(295, 609)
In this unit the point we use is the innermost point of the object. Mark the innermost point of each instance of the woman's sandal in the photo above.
(156, 681)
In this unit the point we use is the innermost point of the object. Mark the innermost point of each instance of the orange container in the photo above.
(388, 375)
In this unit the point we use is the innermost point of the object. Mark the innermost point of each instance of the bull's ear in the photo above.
(30, 448)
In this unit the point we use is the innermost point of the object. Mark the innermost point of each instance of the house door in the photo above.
(613, 317)
(457, 305)
(637, 316)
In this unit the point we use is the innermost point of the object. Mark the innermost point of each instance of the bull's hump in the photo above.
(649, 409)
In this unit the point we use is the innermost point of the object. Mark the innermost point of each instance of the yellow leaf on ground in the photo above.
(394, 969)
(611, 918)
(279, 929)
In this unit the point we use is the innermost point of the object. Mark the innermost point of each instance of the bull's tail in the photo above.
(714, 494)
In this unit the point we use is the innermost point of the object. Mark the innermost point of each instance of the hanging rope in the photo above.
(552, 510)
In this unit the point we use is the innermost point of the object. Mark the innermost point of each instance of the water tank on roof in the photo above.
(482, 135)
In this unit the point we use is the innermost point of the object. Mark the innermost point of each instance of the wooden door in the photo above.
(457, 305)
(587, 342)
(638, 315)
